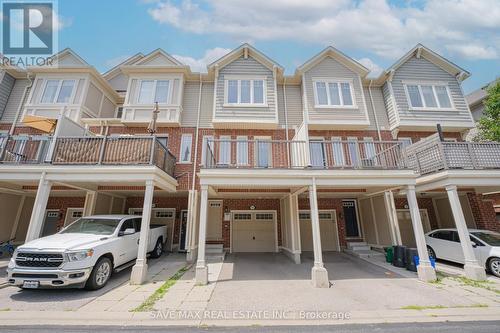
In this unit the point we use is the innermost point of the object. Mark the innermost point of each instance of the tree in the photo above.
(489, 124)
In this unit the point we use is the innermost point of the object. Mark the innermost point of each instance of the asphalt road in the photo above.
(445, 327)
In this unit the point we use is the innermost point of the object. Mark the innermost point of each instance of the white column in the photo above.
(392, 216)
(472, 268)
(319, 274)
(13, 231)
(140, 269)
(90, 201)
(191, 226)
(294, 227)
(425, 271)
(201, 266)
(39, 207)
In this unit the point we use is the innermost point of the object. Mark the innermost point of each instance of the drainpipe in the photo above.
(286, 122)
(373, 110)
(20, 108)
(196, 135)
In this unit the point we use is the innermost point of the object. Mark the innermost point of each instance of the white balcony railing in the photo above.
(143, 114)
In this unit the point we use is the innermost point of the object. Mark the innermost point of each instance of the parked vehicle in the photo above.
(84, 254)
(445, 244)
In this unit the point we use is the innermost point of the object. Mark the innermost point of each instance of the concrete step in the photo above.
(365, 253)
(214, 250)
(215, 257)
(358, 246)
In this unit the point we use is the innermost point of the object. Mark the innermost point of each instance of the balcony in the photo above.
(88, 151)
(432, 155)
(142, 115)
(279, 154)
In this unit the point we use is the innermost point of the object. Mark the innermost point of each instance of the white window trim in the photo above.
(227, 78)
(322, 141)
(153, 91)
(58, 90)
(330, 106)
(190, 149)
(244, 139)
(433, 84)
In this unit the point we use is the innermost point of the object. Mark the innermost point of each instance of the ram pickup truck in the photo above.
(83, 254)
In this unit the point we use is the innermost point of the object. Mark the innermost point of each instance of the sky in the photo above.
(374, 32)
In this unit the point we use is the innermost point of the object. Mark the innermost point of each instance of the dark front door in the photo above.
(182, 240)
(351, 220)
(50, 223)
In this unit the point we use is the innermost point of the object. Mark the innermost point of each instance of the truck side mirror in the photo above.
(128, 231)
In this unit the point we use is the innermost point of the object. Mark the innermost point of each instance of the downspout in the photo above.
(23, 102)
(286, 122)
(193, 185)
(373, 110)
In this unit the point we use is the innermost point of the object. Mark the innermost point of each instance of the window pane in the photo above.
(258, 92)
(225, 150)
(232, 91)
(65, 92)
(317, 154)
(50, 91)
(245, 91)
(146, 92)
(429, 99)
(161, 94)
(338, 153)
(334, 93)
(263, 152)
(186, 148)
(414, 94)
(443, 98)
(321, 93)
(242, 151)
(346, 93)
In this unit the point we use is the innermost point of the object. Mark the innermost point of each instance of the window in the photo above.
(330, 93)
(76, 214)
(338, 152)
(151, 91)
(119, 112)
(429, 96)
(58, 91)
(304, 216)
(242, 216)
(245, 92)
(263, 152)
(318, 153)
(164, 214)
(370, 152)
(264, 216)
(224, 150)
(242, 150)
(325, 216)
(163, 140)
(405, 142)
(128, 224)
(353, 148)
(443, 235)
(185, 151)
(207, 150)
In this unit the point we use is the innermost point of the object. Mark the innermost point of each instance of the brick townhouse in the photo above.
(247, 158)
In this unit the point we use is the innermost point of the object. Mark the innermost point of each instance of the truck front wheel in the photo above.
(100, 274)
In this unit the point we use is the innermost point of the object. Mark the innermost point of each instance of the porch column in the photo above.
(201, 266)
(472, 268)
(39, 207)
(319, 274)
(294, 226)
(140, 269)
(392, 215)
(191, 226)
(425, 271)
(90, 201)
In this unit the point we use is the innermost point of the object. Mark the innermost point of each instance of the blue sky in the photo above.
(375, 32)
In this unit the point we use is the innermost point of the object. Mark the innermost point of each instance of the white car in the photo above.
(445, 244)
(84, 254)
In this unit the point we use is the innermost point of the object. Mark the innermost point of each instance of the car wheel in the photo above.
(158, 250)
(431, 252)
(494, 266)
(100, 274)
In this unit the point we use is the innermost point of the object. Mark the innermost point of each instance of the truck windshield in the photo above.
(92, 226)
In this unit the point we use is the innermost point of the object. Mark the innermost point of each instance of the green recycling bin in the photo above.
(389, 254)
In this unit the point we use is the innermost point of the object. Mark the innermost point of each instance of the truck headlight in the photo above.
(80, 255)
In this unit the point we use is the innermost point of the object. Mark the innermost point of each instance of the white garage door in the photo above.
(406, 227)
(328, 230)
(254, 231)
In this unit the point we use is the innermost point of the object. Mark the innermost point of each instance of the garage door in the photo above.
(254, 231)
(328, 230)
(406, 227)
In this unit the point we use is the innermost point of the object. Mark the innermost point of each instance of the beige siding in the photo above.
(380, 112)
(15, 100)
(190, 104)
(391, 112)
(293, 105)
(93, 100)
(6, 84)
(207, 105)
(119, 82)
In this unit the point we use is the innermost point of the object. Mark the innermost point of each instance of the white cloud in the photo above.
(200, 65)
(375, 70)
(61, 22)
(468, 28)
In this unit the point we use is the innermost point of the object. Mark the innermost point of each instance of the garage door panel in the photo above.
(251, 235)
(328, 232)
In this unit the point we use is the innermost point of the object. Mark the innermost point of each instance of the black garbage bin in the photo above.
(399, 256)
(410, 253)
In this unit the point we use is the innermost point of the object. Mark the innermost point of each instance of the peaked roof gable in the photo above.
(333, 53)
(158, 58)
(115, 70)
(245, 50)
(68, 58)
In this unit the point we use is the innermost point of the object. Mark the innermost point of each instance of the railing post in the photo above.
(151, 157)
(103, 146)
(443, 154)
(473, 159)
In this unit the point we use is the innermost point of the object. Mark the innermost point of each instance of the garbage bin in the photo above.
(410, 254)
(399, 256)
(389, 254)
(431, 259)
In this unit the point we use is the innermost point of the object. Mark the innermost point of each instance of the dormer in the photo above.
(69, 87)
(422, 89)
(245, 89)
(156, 77)
(332, 89)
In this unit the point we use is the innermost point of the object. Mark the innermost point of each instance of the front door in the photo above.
(182, 232)
(50, 223)
(351, 219)
(214, 223)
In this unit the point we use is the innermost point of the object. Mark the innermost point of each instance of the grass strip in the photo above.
(432, 307)
(477, 284)
(148, 304)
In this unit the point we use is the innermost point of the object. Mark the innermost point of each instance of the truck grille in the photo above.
(47, 260)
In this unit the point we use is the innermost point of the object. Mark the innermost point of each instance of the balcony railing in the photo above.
(298, 155)
(87, 150)
(433, 155)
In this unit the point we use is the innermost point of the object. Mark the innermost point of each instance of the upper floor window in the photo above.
(58, 91)
(185, 150)
(429, 96)
(241, 92)
(333, 93)
(151, 91)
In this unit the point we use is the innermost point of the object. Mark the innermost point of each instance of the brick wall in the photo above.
(416, 136)
(423, 203)
(483, 212)
(62, 204)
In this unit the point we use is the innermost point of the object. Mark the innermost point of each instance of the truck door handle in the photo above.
(138, 242)
(253, 237)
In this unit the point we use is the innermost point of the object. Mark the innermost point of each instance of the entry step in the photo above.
(358, 246)
(365, 253)
(214, 248)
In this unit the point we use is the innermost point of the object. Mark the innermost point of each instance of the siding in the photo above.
(421, 69)
(6, 86)
(15, 100)
(293, 105)
(391, 113)
(380, 112)
(242, 66)
(207, 105)
(190, 104)
(119, 82)
(328, 68)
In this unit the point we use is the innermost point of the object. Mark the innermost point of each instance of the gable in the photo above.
(245, 66)
(422, 69)
(158, 60)
(329, 67)
(69, 59)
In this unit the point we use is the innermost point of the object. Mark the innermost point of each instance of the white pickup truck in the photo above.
(84, 254)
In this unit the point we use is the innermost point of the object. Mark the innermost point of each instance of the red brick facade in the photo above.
(423, 203)
(483, 212)
(62, 204)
